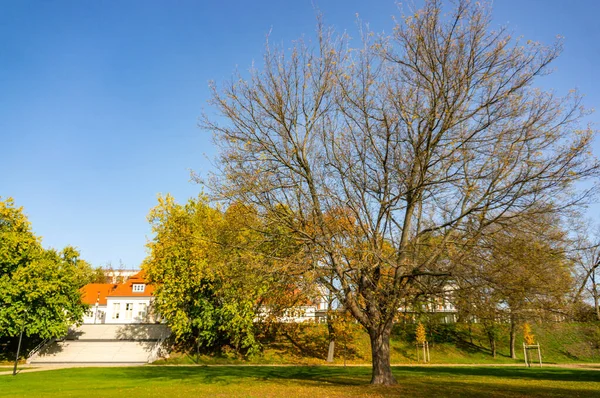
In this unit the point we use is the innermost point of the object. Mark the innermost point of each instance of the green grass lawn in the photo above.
(316, 381)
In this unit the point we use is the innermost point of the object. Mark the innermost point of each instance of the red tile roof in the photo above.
(126, 289)
(93, 292)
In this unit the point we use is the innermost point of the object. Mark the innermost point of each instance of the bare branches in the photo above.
(388, 155)
(586, 257)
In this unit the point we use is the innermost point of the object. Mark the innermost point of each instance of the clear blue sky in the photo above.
(99, 100)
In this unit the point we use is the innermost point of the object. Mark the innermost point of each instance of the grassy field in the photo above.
(270, 381)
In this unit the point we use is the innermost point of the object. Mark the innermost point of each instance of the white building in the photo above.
(122, 303)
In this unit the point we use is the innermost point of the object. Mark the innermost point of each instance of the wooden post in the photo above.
(528, 359)
(426, 354)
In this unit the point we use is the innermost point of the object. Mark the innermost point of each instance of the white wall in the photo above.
(91, 317)
(123, 316)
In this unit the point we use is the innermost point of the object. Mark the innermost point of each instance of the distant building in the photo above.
(127, 302)
(131, 302)
(120, 275)
(307, 312)
(441, 305)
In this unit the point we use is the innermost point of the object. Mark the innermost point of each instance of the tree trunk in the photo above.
(492, 340)
(513, 327)
(330, 329)
(471, 332)
(331, 351)
(596, 299)
(380, 350)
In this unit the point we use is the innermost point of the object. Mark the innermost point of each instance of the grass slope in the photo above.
(454, 343)
(270, 381)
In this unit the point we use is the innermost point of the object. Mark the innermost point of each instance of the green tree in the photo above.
(518, 273)
(434, 128)
(211, 277)
(477, 301)
(39, 289)
(533, 276)
(98, 275)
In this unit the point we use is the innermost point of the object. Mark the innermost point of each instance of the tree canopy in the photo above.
(213, 276)
(515, 274)
(39, 288)
(436, 128)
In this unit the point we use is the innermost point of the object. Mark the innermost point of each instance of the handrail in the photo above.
(155, 350)
(39, 347)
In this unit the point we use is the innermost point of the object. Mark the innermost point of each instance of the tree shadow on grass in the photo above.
(237, 374)
(351, 376)
(558, 374)
(457, 387)
(338, 381)
(472, 348)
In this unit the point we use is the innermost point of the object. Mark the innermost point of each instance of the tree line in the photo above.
(222, 281)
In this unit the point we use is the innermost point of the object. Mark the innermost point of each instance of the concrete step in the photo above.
(74, 351)
(142, 332)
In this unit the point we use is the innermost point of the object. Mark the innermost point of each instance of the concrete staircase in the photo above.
(132, 343)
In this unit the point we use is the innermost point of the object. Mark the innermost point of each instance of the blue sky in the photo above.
(99, 100)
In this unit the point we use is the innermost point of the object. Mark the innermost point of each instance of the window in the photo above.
(128, 310)
(142, 310)
(116, 310)
(138, 287)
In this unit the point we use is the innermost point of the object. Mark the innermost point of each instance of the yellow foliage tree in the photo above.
(212, 276)
(528, 337)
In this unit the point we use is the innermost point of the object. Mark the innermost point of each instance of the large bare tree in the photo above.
(382, 156)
